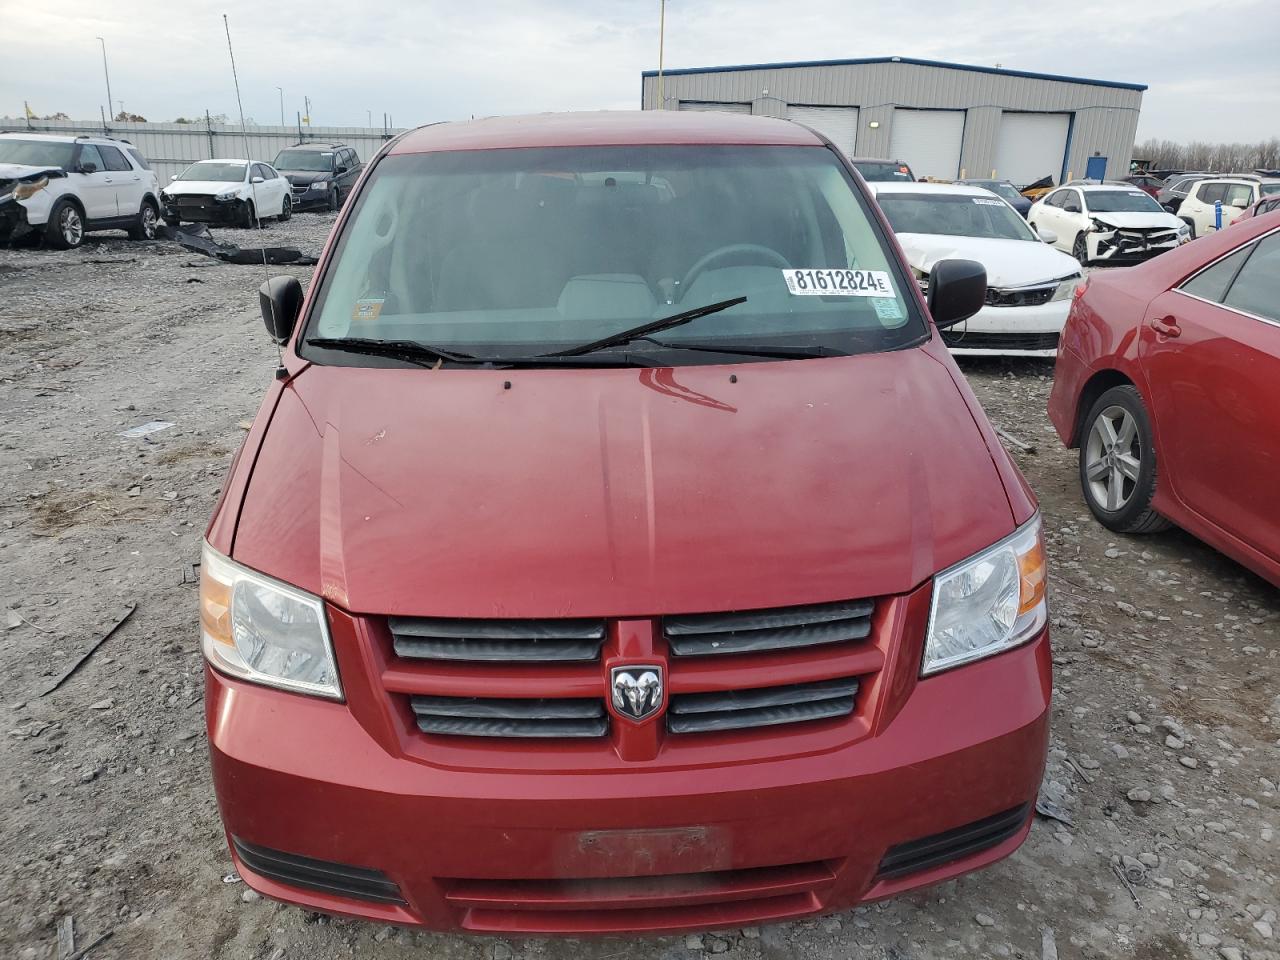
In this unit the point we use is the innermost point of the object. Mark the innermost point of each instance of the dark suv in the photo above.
(321, 174)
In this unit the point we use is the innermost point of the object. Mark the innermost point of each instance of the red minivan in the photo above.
(619, 548)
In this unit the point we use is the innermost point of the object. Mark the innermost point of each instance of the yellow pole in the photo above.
(662, 32)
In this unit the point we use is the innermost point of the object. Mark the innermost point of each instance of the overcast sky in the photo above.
(1212, 69)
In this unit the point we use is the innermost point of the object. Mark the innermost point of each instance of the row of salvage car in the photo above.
(1034, 264)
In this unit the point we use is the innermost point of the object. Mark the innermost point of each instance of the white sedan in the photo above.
(1105, 222)
(1029, 284)
(234, 192)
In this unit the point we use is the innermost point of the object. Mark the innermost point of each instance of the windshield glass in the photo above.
(36, 153)
(519, 252)
(952, 215)
(1001, 189)
(214, 170)
(883, 172)
(312, 161)
(1121, 201)
(1270, 189)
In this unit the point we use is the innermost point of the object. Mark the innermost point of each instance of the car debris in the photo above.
(196, 237)
(66, 674)
(145, 429)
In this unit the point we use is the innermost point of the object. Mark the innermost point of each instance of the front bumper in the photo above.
(1010, 331)
(309, 199)
(527, 843)
(13, 221)
(1129, 246)
(202, 209)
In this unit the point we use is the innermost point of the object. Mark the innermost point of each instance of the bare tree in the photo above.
(1199, 155)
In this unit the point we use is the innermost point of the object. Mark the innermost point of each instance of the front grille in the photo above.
(759, 631)
(1026, 297)
(942, 848)
(509, 641)
(761, 707)
(360, 883)
(1001, 341)
(526, 718)
(195, 203)
(664, 901)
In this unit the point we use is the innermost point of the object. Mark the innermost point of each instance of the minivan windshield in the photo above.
(523, 252)
(309, 161)
(215, 171)
(954, 215)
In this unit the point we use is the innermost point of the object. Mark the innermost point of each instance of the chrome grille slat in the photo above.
(802, 710)
(761, 631)
(532, 718)
(516, 641)
(763, 697)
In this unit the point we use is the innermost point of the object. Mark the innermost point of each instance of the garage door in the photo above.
(929, 140)
(837, 124)
(1030, 146)
(721, 107)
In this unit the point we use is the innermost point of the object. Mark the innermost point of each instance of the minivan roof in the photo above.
(605, 128)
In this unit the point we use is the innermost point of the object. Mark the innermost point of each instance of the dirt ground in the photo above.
(1165, 730)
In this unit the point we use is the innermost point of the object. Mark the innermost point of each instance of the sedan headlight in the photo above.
(1100, 227)
(1184, 229)
(258, 629)
(1065, 288)
(25, 191)
(321, 185)
(992, 602)
(226, 196)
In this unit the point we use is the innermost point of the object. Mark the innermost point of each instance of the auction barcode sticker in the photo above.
(988, 203)
(838, 283)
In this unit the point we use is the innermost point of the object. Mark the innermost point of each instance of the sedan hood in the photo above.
(1139, 220)
(1009, 263)
(620, 492)
(201, 187)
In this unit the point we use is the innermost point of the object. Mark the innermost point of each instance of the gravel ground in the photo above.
(1166, 718)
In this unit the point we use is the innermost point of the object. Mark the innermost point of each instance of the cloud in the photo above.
(431, 60)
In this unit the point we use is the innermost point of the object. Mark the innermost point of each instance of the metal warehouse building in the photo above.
(945, 119)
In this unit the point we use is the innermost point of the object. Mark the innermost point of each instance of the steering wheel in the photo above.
(732, 250)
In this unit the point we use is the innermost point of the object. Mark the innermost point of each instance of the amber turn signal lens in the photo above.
(1031, 566)
(215, 605)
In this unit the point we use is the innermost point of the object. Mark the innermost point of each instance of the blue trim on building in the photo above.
(910, 60)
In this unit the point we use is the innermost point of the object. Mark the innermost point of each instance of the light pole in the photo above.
(662, 35)
(104, 70)
(281, 89)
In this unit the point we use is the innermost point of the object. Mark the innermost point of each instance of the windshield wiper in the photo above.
(410, 351)
(781, 352)
(425, 355)
(640, 332)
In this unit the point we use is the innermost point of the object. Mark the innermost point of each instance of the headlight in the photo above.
(1065, 288)
(24, 191)
(320, 185)
(1184, 229)
(990, 603)
(224, 197)
(264, 631)
(1101, 227)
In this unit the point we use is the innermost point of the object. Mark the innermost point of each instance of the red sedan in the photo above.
(1167, 382)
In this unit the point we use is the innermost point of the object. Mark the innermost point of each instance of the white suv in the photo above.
(1236, 194)
(66, 186)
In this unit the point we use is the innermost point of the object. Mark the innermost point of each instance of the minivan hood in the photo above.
(1009, 263)
(299, 177)
(607, 492)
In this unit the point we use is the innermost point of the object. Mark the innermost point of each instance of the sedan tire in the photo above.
(1118, 463)
(1080, 249)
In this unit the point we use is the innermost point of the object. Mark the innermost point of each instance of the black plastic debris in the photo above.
(196, 237)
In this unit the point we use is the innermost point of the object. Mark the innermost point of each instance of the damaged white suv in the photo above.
(1105, 222)
(64, 187)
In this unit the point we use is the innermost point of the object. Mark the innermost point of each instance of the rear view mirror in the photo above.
(281, 300)
(957, 290)
(1048, 236)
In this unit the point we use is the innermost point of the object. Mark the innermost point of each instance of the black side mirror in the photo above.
(88, 168)
(957, 290)
(281, 300)
(1072, 208)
